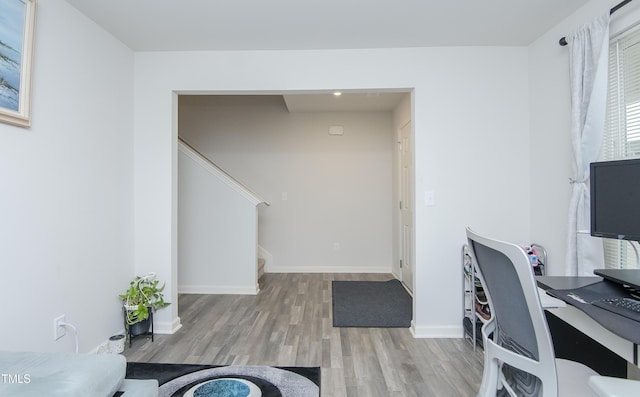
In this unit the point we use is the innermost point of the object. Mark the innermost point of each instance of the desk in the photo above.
(578, 337)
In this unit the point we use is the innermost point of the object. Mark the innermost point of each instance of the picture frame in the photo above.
(17, 24)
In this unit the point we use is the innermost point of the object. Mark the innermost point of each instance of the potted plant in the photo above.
(144, 294)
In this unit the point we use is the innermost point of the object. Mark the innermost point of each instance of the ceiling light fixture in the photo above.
(337, 93)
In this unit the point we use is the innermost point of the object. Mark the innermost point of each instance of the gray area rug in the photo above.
(371, 304)
(188, 380)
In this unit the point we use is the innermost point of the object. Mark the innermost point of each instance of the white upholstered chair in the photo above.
(519, 357)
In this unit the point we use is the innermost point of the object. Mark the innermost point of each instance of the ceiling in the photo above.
(304, 103)
(189, 25)
(350, 102)
(193, 25)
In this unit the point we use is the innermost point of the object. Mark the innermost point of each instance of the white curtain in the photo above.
(588, 60)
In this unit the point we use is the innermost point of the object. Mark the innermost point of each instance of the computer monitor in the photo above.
(615, 199)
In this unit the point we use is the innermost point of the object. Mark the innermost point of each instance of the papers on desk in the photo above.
(549, 302)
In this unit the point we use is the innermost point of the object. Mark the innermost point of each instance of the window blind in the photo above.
(621, 138)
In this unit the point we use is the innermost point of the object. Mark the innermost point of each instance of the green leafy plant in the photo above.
(143, 294)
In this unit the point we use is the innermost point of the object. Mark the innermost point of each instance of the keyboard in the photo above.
(626, 307)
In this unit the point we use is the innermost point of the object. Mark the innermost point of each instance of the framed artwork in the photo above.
(17, 19)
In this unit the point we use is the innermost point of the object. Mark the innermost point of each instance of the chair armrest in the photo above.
(606, 386)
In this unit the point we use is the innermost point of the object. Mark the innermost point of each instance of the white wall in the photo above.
(471, 145)
(550, 145)
(217, 231)
(66, 206)
(338, 188)
(67, 218)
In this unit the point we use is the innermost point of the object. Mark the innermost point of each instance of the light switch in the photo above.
(284, 196)
(430, 198)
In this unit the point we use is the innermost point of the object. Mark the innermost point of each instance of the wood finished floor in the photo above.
(289, 323)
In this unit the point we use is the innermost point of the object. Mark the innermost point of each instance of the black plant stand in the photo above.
(127, 327)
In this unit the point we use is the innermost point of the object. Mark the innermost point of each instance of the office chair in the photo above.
(519, 359)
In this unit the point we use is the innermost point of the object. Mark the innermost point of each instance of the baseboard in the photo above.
(218, 289)
(436, 332)
(326, 269)
(167, 327)
(103, 348)
(159, 327)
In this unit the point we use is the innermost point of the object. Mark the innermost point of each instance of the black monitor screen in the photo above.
(615, 199)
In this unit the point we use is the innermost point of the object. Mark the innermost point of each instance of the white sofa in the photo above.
(29, 374)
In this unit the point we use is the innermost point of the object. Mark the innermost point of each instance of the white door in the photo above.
(406, 206)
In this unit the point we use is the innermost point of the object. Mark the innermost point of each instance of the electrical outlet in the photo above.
(59, 329)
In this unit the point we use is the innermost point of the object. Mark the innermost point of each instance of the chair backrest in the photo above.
(518, 321)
